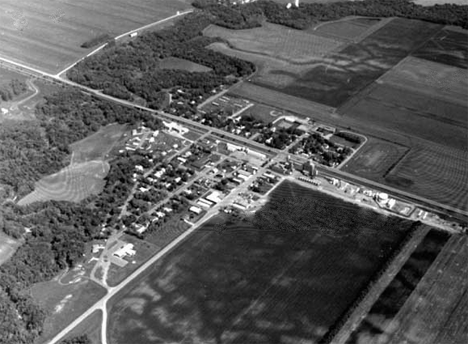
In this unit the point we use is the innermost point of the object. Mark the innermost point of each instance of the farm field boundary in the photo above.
(352, 318)
(435, 311)
(434, 79)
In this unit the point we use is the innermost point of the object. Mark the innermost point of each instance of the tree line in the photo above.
(13, 89)
(251, 15)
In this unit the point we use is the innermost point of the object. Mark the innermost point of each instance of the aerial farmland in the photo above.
(48, 34)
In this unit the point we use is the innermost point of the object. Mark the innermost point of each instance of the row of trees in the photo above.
(250, 15)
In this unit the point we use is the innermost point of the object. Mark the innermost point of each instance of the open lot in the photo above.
(28, 26)
(448, 47)
(73, 183)
(91, 327)
(343, 74)
(439, 81)
(97, 145)
(276, 41)
(302, 271)
(64, 303)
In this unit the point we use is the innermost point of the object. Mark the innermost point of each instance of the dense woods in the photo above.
(249, 15)
(131, 71)
(58, 231)
(12, 89)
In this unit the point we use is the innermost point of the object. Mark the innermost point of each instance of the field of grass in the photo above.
(8, 246)
(276, 41)
(181, 64)
(375, 159)
(267, 114)
(404, 292)
(448, 47)
(304, 267)
(439, 81)
(73, 183)
(98, 145)
(435, 172)
(27, 26)
(64, 303)
(343, 74)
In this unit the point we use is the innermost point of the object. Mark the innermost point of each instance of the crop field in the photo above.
(378, 324)
(435, 172)
(412, 114)
(276, 41)
(436, 311)
(303, 269)
(343, 74)
(73, 183)
(64, 303)
(97, 145)
(48, 34)
(8, 246)
(439, 81)
(347, 29)
(181, 64)
(375, 159)
(448, 47)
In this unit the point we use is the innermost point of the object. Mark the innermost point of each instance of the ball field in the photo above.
(47, 34)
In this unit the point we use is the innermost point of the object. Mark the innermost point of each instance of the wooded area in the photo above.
(251, 15)
(13, 89)
(58, 231)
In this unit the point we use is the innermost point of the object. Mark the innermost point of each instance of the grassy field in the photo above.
(98, 145)
(267, 114)
(434, 172)
(375, 159)
(27, 26)
(276, 41)
(376, 326)
(73, 183)
(345, 73)
(303, 268)
(436, 311)
(64, 303)
(439, 81)
(8, 246)
(181, 64)
(345, 30)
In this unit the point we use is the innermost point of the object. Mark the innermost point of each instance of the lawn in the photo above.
(73, 183)
(276, 41)
(282, 276)
(27, 26)
(181, 64)
(98, 145)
